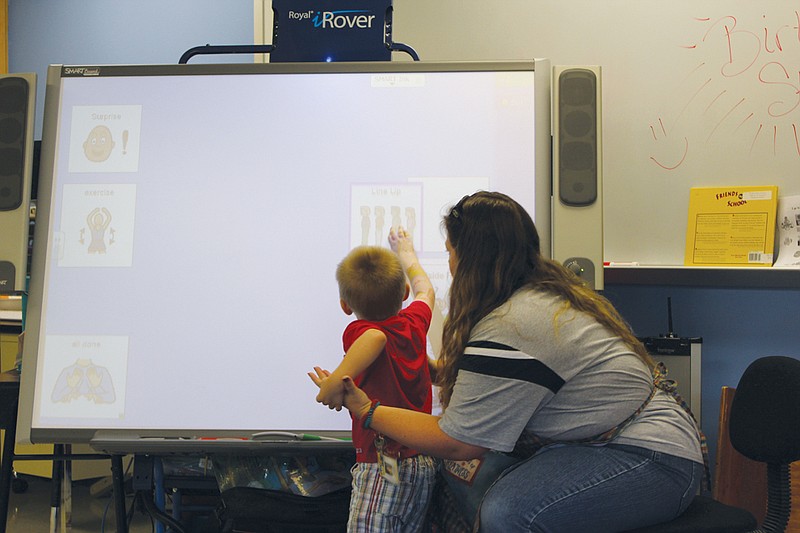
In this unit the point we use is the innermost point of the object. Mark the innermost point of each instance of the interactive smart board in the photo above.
(191, 217)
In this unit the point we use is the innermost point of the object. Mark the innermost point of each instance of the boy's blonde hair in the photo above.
(372, 282)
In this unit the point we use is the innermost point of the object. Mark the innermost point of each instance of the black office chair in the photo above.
(765, 427)
(706, 515)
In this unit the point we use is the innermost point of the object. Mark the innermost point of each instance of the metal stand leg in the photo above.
(118, 482)
(6, 472)
(55, 489)
(159, 496)
(66, 490)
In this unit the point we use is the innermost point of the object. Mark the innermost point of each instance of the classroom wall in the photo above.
(43, 32)
(3, 36)
(694, 94)
(680, 80)
(737, 324)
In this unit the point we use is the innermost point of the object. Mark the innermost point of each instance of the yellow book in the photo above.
(731, 226)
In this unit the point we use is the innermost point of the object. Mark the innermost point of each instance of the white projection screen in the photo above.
(190, 219)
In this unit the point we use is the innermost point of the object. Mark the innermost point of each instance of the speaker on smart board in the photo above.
(17, 103)
(577, 171)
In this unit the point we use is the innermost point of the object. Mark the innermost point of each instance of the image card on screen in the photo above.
(105, 138)
(97, 225)
(379, 207)
(84, 376)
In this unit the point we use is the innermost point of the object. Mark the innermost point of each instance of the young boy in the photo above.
(385, 353)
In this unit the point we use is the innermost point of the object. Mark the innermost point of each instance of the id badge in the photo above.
(388, 465)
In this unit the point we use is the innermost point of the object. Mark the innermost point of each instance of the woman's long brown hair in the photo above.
(497, 251)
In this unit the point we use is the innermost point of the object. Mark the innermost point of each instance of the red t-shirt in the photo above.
(399, 377)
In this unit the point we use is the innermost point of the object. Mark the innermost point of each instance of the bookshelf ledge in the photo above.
(732, 277)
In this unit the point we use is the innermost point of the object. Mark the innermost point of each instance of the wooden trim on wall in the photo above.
(262, 27)
(3, 36)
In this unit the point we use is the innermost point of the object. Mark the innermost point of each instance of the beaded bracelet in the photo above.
(368, 418)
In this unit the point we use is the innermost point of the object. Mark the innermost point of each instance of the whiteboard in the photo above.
(190, 219)
(695, 93)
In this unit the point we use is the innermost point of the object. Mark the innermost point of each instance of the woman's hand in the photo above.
(355, 400)
(419, 431)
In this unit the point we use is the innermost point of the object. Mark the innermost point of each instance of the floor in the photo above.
(30, 511)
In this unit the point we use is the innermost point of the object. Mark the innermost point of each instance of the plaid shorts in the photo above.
(378, 506)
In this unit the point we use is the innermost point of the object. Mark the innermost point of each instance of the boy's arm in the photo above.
(421, 286)
(362, 353)
(414, 429)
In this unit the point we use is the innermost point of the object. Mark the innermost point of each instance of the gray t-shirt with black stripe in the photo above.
(534, 364)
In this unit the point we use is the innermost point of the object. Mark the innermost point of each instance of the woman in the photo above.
(540, 376)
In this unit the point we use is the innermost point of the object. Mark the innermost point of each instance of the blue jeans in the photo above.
(578, 488)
